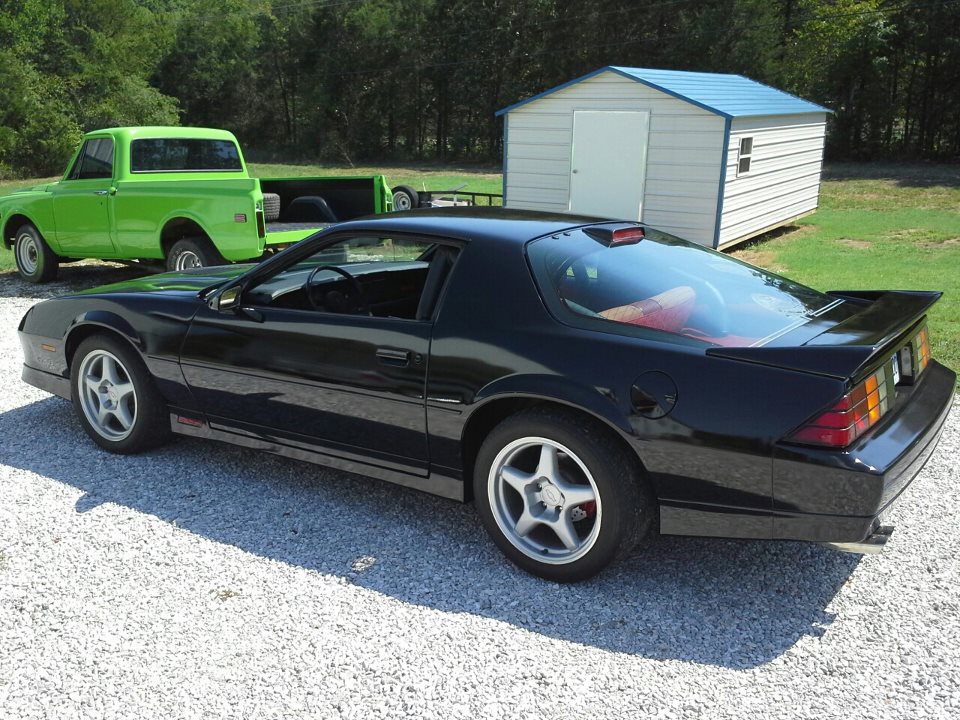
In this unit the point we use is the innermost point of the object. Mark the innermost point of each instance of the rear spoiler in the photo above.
(848, 347)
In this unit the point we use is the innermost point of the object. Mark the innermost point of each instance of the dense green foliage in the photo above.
(357, 80)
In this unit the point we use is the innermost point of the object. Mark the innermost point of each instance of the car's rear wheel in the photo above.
(115, 398)
(559, 495)
(35, 260)
(191, 253)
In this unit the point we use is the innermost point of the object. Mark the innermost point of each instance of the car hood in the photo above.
(188, 282)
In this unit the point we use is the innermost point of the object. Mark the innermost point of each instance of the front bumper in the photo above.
(842, 497)
(54, 384)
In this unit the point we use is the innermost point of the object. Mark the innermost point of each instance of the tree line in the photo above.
(388, 80)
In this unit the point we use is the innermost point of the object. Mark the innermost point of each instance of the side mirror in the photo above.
(229, 299)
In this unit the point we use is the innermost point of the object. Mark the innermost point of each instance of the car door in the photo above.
(83, 202)
(330, 377)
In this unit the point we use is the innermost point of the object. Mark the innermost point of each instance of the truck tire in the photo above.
(309, 208)
(36, 262)
(405, 198)
(271, 207)
(193, 252)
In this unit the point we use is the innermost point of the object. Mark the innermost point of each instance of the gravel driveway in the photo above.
(206, 581)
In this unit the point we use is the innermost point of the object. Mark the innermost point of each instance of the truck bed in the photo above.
(281, 233)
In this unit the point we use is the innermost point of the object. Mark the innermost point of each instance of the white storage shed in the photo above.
(713, 158)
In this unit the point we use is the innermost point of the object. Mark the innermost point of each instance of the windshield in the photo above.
(665, 284)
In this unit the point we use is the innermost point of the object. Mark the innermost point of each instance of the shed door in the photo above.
(608, 163)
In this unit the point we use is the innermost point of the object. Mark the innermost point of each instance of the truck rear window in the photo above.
(184, 155)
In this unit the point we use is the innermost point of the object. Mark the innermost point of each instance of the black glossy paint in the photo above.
(408, 400)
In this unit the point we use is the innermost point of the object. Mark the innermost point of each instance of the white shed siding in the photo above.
(784, 177)
(683, 162)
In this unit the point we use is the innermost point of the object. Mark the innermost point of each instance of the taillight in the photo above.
(854, 414)
(921, 344)
(261, 228)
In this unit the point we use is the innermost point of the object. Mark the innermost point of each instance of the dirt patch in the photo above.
(756, 256)
(856, 244)
(766, 259)
(948, 242)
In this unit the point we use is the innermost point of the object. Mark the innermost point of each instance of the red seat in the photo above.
(667, 311)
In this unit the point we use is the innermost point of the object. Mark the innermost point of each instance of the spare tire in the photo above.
(271, 207)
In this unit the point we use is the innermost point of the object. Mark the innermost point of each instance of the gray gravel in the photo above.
(205, 581)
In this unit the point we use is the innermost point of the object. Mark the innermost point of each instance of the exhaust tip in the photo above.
(872, 545)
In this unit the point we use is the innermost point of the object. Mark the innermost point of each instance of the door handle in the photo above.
(100, 192)
(399, 358)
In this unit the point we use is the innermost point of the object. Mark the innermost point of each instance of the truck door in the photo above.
(83, 202)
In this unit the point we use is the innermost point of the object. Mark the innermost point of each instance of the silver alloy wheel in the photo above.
(188, 259)
(28, 254)
(402, 201)
(544, 500)
(107, 395)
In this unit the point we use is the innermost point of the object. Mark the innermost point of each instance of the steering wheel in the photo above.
(334, 300)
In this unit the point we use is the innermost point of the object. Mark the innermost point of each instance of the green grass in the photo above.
(880, 228)
(418, 177)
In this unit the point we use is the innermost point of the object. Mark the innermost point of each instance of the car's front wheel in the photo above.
(35, 260)
(559, 495)
(115, 398)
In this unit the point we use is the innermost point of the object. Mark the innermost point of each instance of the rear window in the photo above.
(184, 155)
(674, 288)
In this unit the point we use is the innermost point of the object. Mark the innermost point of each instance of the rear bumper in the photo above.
(839, 497)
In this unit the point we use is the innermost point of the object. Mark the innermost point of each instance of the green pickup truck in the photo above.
(171, 194)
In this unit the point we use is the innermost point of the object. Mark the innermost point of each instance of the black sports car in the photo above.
(586, 383)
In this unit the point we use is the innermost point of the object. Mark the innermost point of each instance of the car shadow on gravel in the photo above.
(72, 278)
(735, 604)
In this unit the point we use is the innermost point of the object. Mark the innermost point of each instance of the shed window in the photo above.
(745, 156)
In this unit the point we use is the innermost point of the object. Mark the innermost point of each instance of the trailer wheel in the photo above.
(405, 198)
(271, 207)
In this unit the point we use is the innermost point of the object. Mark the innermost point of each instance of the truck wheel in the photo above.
(271, 207)
(193, 253)
(35, 260)
(405, 198)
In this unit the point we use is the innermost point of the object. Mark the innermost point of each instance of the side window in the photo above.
(378, 276)
(95, 161)
(744, 156)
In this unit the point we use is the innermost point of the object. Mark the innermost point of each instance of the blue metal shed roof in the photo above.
(727, 95)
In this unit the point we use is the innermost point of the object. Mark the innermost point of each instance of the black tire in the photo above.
(271, 207)
(146, 410)
(193, 252)
(623, 512)
(405, 198)
(309, 209)
(36, 262)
